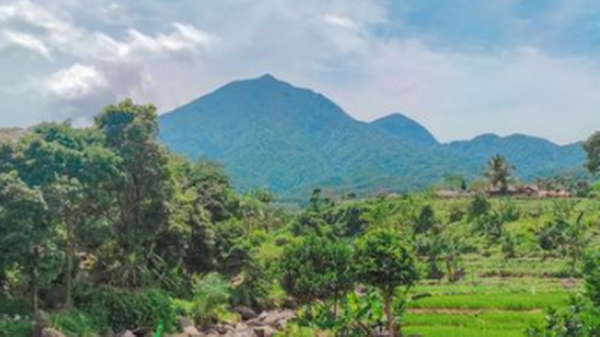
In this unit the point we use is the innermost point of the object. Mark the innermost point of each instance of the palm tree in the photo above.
(499, 171)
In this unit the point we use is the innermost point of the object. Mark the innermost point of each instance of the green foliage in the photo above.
(592, 148)
(382, 260)
(20, 328)
(579, 319)
(123, 309)
(211, 295)
(74, 323)
(316, 269)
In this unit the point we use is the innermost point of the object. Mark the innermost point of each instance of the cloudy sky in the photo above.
(459, 67)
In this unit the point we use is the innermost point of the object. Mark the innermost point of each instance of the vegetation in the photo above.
(104, 228)
(270, 134)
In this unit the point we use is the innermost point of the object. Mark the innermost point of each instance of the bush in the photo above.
(123, 309)
(317, 269)
(74, 323)
(211, 296)
(13, 306)
(15, 328)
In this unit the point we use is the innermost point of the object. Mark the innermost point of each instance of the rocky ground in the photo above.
(264, 325)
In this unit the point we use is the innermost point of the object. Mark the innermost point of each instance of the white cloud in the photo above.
(75, 82)
(339, 21)
(354, 51)
(29, 42)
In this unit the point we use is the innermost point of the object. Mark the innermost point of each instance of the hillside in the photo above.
(269, 133)
(406, 128)
(533, 156)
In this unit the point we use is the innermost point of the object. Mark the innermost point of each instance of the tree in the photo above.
(592, 148)
(143, 191)
(499, 171)
(383, 261)
(69, 166)
(27, 236)
(317, 269)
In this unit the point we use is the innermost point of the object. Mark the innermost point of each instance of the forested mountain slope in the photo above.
(271, 134)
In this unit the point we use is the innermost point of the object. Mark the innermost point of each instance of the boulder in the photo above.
(41, 320)
(184, 322)
(49, 332)
(246, 312)
(191, 331)
(272, 318)
(264, 331)
(126, 333)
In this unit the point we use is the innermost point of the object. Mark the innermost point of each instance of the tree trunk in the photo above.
(70, 258)
(33, 280)
(387, 303)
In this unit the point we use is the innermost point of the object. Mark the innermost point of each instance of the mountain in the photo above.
(269, 133)
(406, 128)
(533, 157)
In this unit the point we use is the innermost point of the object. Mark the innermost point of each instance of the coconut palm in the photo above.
(499, 171)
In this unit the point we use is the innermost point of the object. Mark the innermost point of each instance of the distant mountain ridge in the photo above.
(269, 133)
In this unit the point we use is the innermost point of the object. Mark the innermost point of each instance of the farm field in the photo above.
(482, 305)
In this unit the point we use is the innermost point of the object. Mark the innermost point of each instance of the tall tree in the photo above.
(144, 190)
(27, 234)
(383, 261)
(499, 171)
(69, 166)
(592, 148)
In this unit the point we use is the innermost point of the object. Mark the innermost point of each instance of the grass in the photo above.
(484, 321)
(504, 301)
(449, 331)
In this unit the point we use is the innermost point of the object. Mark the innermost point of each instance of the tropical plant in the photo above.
(499, 172)
(383, 261)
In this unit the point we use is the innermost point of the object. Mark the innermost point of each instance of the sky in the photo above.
(461, 67)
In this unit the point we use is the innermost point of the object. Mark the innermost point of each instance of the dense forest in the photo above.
(103, 231)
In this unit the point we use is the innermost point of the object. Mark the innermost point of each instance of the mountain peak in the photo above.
(400, 125)
(268, 77)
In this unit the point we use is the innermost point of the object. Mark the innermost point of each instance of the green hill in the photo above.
(270, 134)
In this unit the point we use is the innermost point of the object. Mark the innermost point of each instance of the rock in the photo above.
(184, 322)
(223, 328)
(42, 319)
(264, 331)
(126, 333)
(191, 331)
(49, 332)
(272, 318)
(246, 312)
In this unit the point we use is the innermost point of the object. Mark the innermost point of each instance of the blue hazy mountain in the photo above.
(405, 128)
(269, 133)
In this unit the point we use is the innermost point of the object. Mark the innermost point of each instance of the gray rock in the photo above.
(126, 333)
(264, 331)
(246, 312)
(49, 332)
(42, 319)
(191, 331)
(184, 322)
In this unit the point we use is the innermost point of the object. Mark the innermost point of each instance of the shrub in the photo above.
(317, 269)
(127, 309)
(75, 323)
(383, 261)
(15, 328)
(211, 296)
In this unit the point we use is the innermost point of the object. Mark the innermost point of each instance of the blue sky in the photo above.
(460, 67)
